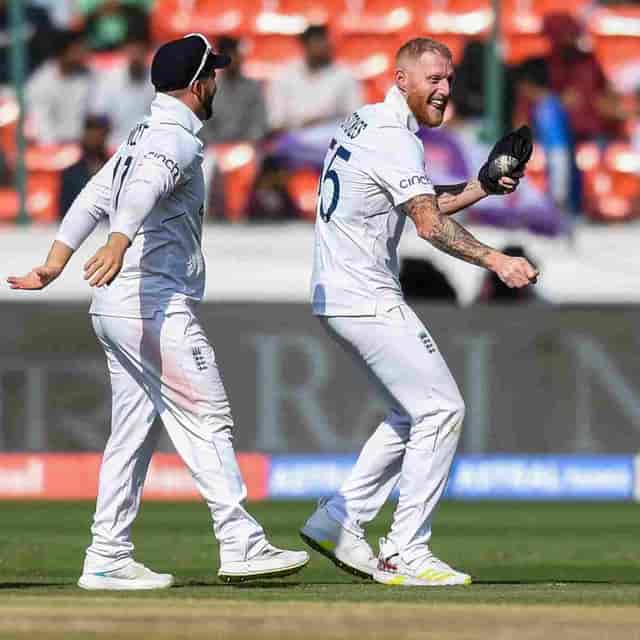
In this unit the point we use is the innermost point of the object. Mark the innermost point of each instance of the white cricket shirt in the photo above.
(374, 164)
(152, 190)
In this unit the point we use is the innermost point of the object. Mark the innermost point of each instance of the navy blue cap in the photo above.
(177, 63)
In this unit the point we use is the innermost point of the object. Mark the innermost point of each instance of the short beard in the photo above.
(207, 106)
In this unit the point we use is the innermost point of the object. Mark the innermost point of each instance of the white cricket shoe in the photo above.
(427, 571)
(269, 562)
(348, 551)
(133, 577)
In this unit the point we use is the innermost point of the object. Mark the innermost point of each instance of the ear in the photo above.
(402, 80)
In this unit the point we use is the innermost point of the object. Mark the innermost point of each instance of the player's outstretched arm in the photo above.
(452, 238)
(45, 274)
(456, 197)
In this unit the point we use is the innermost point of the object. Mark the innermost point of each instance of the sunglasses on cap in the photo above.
(207, 50)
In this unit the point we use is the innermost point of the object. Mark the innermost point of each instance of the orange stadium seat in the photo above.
(175, 18)
(293, 16)
(302, 186)
(375, 17)
(537, 168)
(453, 22)
(623, 163)
(371, 57)
(44, 164)
(615, 32)
(9, 112)
(266, 54)
(43, 197)
(238, 166)
(611, 189)
(9, 205)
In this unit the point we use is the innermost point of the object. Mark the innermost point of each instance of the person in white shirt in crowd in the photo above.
(124, 93)
(241, 112)
(313, 90)
(58, 92)
(148, 279)
(61, 12)
(374, 178)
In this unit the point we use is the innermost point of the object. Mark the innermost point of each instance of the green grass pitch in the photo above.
(580, 558)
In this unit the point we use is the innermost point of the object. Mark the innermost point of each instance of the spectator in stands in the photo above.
(61, 12)
(576, 76)
(551, 129)
(314, 90)
(468, 90)
(124, 93)
(270, 200)
(94, 154)
(240, 112)
(109, 21)
(37, 35)
(58, 92)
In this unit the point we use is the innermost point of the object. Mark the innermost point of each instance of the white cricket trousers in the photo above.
(414, 446)
(166, 367)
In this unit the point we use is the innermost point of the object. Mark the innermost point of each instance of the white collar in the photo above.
(396, 100)
(166, 106)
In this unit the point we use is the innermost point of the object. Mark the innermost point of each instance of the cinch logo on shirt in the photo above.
(172, 165)
(405, 183)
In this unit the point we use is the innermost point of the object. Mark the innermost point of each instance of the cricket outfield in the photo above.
(540, 570)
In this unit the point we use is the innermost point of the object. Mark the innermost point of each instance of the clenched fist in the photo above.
(515, 272)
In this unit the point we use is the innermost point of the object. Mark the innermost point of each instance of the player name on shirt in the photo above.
(353, 126)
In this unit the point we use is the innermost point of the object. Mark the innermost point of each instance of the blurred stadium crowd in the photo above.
(571, 68)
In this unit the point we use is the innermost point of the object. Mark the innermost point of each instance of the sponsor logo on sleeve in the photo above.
(405, 183)
(169, 163)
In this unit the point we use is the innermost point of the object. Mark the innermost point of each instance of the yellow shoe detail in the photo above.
(327, 544)
(398, 580)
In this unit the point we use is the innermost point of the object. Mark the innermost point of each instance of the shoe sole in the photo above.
(395, 580)
(330, 556)
(279, 573)
(91, 583)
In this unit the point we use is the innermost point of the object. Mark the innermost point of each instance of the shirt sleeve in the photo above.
(162, 165)
(90, 206)
(398, 165)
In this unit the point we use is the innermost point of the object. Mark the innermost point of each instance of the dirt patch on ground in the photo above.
(128, 618)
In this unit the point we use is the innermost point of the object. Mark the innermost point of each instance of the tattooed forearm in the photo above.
(455, 197)
(444, 233)
(452, 238)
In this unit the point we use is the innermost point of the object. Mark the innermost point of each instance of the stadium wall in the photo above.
(553, 397)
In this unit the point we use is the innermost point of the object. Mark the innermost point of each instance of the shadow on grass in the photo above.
(546, 581)
(244, 585)
(34, 585)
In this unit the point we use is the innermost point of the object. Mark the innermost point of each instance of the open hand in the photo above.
(104, 266)
(37, 278)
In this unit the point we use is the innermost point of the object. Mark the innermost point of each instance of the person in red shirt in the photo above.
(576, 76)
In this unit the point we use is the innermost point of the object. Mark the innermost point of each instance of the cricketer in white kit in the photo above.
(148, 279)
(375, 177)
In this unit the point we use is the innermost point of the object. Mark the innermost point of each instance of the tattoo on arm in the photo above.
(455, 197)
(443, 232)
